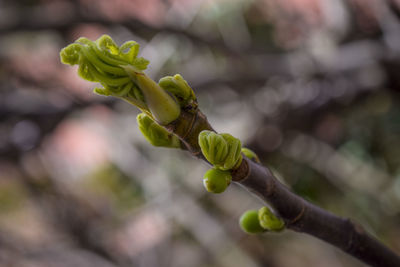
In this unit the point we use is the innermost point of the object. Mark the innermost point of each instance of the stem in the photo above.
(302, 216)
(299, 215)
(188, 127)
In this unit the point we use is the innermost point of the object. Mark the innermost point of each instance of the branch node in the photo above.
(350, 242)
(242, 172)
(298, 217)
(270, 187)
(190, 127)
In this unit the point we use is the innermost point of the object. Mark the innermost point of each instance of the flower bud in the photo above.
(156, 134)
(269, 221)
(249, 222)
(216, 181)
(179, 88)
(250, 154)
(213, 147)
(221, 150)
(162, 106)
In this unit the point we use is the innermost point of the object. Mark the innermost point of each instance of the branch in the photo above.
(172, 104)
(302, 216)
(299, 215)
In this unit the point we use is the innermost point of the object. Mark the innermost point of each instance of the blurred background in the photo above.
(312, 86)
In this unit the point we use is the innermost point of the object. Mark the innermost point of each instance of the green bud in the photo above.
(249, 222)
(162, 106)
(221, 150)
(156, 134)
(213, 147)
(269, 221)
(250, 154)
(216, 181)
(233, 158)
(178, 87)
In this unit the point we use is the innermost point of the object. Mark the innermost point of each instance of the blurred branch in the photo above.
(41, 112)
(15, 251)
(25, 22)
(70, 215)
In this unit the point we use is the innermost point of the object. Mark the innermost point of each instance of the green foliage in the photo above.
(221, 150)
(269, 221)
(120, 72)
(216, 181)
(250, 223)
(101, 61)
(156, 134)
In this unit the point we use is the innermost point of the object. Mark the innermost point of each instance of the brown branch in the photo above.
(299, 215)
(302, 216)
